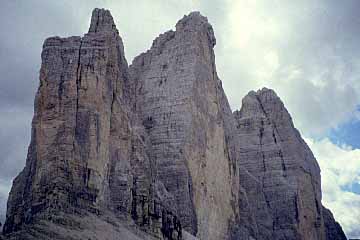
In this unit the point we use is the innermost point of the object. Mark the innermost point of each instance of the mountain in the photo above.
(153, 150)
(278, 170)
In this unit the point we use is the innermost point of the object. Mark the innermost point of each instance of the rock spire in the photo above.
(153, 150)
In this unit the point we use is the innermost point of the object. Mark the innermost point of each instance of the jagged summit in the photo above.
(192, 28)
(196, 22)
(191, 20)
(101, 21)
(153, 151)
(263, 93)
(261, 102)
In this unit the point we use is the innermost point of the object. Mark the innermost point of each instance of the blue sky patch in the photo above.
(347, 133)
(354, 187)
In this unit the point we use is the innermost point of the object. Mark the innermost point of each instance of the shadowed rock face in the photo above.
(333, 229)
(153, 151)
(279, 173)
(278, 170)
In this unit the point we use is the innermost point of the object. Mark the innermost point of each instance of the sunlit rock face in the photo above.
(179, 99)
(88, 151)
(153, 151)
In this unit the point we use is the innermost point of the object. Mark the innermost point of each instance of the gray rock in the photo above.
(88, 153)
(278, 170)
(333, 229)
(153, 151)
(179, 99)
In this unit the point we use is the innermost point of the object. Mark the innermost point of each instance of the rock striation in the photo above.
(153, 150)
(278, 170)
(88, 153)
(178, 98)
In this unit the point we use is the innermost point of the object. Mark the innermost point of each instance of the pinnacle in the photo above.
(101, 21)
(260, 102)
(196, 22)
(263, 93)
(267, 91)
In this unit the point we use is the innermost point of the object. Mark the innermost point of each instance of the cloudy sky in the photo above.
(306, 50)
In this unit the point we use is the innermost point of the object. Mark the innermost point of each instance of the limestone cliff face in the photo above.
(278, 170)
(153, 151)
(178, 99)
(68, 159)
(88, 151)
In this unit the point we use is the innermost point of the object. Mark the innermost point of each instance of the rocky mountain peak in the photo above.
(264, 102)
(268, 98)
(153, 150)
(102, 21)
(195, 22)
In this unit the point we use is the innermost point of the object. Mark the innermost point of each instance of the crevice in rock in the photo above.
(283, 165)
(78, 83)
(262, 107)
(97, 21)
(263, 191)
(261, 131)
(274, 136)
(296, 209)
(263, 159)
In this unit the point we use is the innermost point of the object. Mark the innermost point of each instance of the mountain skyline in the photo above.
(314, 91)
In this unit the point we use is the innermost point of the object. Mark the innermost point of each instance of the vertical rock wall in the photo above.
(283, 177)
(68, 161)
(89, 151)
(178, 97)
(156, 147)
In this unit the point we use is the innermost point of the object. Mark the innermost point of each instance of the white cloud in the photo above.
(281, 45)
(139, 22)
(340, 167)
